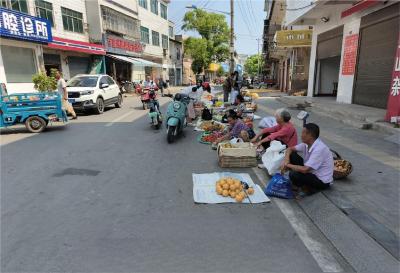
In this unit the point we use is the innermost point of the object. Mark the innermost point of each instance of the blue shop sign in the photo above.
(19, 25)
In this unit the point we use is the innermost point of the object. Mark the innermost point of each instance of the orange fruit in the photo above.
(239, 198)
(250, 191)
(225, 193)
(225, 187)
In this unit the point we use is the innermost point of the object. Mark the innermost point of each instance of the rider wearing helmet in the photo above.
(153, 98)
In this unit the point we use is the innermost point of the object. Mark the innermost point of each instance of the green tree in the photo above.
(252, 64)
(213, 44)
(220, 71)
(44, 83)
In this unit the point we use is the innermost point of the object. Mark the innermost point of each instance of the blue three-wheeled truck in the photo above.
(35, 110)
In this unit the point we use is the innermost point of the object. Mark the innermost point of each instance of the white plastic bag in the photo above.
(236, 140)
(274, 156)
(234, 93)
(267, 122)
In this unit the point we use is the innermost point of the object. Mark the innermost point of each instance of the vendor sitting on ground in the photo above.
(240, 105)
(284, 131)
(237, 129)
(314, 171)
(195, 96)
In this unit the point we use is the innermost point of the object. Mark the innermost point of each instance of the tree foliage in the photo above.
(252, 64)
(213, 44)
(44, 83)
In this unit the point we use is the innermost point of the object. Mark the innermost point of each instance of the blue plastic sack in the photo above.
(279, 186)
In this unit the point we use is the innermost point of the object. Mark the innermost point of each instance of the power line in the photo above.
(251, 8)
(311, 4)
(244, 17)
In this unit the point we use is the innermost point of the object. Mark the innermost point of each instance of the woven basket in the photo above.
(339, 161)
(237, 162)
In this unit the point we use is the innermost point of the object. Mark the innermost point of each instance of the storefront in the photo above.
(22, 37)
(329, 50)
(379, 32)
(73, 57)
(119, 60)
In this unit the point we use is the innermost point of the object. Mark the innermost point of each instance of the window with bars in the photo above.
(155, 38)
(144, 35)
(171, 31)
(72, 20)
(164, 11)
(164, 41)
(118, 22)
(18, 5)
(44, 10)
(143, 3)
(154, 6)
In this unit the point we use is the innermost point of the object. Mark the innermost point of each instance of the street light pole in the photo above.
(232, 42)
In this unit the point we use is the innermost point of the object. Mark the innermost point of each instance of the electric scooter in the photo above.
(154, 114)
(176, 116)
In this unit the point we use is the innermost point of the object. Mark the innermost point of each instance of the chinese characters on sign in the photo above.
(123, 46)
(23, 26)
(350, 54)
(393, 106)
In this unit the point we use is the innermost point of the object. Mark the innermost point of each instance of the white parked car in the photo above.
(93, 92)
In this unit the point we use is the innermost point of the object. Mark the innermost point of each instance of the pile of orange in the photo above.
(231, 187)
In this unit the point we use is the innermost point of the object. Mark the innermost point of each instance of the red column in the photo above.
(393, 105)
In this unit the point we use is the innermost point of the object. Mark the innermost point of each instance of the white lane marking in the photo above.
(320, 253)
(365, 150)
(119, 118)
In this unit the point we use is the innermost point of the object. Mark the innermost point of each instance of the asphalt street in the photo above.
(106, 193)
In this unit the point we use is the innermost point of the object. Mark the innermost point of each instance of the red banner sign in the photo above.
(393, 106)
(350, 54)
(364, 4)
(132, 46)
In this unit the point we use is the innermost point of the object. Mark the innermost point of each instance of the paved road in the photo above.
(107, 194)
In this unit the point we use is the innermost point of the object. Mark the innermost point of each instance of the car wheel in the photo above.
(99, 106)
(35, 124)
(118, 104)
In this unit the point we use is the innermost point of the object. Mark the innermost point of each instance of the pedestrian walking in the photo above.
(227, 87)
(161, 85)
(62, 90)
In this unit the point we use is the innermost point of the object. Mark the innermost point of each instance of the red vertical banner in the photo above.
(350, 54)
(393, 105)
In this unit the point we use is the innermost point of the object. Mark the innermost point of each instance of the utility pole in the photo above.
(258, 58)
(232, 42)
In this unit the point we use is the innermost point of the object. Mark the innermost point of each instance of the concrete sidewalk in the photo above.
(358, 215)
(359, 116)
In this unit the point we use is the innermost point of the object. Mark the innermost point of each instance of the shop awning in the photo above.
(125, 59)
(146, 63)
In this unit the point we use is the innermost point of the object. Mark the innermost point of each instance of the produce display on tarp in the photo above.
(205, 187)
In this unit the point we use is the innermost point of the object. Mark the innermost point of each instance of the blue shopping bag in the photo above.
(279, 186)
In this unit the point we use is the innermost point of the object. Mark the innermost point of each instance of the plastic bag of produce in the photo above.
(279, 186)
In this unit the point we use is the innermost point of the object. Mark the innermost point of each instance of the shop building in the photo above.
(154, 30)
(116, 24)
(175, 61)
(353, 48)
(22, 36)
(70, 50)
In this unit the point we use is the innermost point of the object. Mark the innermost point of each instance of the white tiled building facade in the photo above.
(361, 74)
(89, 36)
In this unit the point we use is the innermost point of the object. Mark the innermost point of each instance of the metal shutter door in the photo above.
(78, 65)
(330, 43)
(378, 44)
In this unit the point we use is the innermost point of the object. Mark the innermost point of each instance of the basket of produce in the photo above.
(342, 168)
(233, 188)
(238, 155)
(211, 126)
(209, 138)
